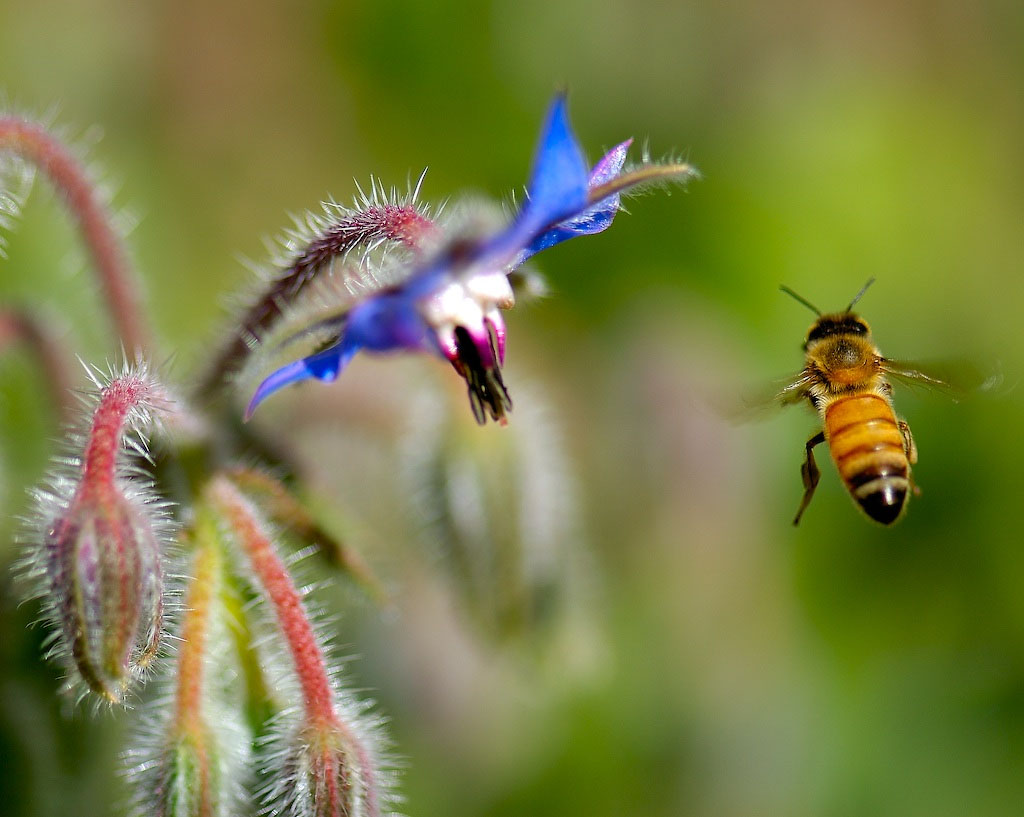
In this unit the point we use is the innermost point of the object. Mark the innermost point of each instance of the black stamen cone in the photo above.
(487, 392)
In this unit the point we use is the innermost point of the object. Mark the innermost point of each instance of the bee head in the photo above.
(841, 323)
(838, 323)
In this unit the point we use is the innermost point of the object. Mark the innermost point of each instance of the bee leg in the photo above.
(908, 442)
(810, 474)
(910, 447)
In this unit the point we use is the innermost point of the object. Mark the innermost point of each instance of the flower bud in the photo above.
(322, 775)
(501, 512)
(105, 572)
(96, 558)
(186, 791)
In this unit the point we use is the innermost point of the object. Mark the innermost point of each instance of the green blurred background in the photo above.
(735, 665)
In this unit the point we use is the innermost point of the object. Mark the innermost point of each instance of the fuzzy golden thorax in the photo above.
(841, 354)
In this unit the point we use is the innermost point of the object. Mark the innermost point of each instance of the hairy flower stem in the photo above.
(286, 510)
(35, 145)
(398, 223)
(19, 326)
(195, 633)
(189, 729)
(118, 400)
(642, 176)
(321, 717)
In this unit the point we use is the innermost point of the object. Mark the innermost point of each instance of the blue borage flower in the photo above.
(451, 303)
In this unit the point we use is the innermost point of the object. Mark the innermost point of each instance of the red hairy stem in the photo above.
(272, 574)
(34, 144)
(19, 326)
(401, 224)
(285, 509)
(99, 466)
(322, 720)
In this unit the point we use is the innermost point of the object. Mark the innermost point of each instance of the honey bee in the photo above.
(845, 379)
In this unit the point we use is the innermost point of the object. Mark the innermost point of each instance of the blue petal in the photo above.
(610, 164)
(324, 365)
(589, 224)
(391, 320)
(557, 191)
(558, 183)
(595, 218)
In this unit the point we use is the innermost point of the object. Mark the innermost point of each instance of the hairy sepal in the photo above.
(98, 538)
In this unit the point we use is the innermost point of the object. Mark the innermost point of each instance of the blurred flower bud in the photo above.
(105, 573)
(96, 553)
(321, 775)
(187, 790)
(502, 511)
(191, 756)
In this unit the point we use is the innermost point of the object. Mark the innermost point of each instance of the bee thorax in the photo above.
(845, 353)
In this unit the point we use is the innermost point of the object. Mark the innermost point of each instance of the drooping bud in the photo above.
(96, 556)
(503, 519)
(322, 775)
(105, 568)
(188, 790)
(190, 759)
(326, 762)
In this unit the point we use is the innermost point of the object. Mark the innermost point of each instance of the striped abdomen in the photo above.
(867, 447)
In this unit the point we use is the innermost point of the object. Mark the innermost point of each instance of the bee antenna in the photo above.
(857, 297)
(803, 300)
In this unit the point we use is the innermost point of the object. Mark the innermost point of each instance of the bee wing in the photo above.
(956, 379)
(795, 391)
(785, 391)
